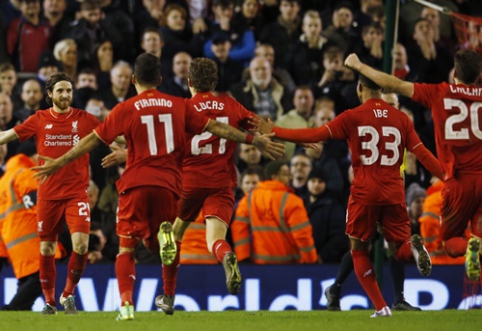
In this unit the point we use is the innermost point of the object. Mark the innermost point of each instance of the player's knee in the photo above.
(80, 247)
(47, 248)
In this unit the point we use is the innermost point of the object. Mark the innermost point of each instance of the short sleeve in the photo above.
(113, 125)
(339, 127)
(423, 93)
(28, 128)
(195, 121)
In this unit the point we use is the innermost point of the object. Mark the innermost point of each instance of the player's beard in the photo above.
(62, 104)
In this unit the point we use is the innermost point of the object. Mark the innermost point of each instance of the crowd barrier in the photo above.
(274, 288)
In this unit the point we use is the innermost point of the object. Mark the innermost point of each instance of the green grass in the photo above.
(359, 320)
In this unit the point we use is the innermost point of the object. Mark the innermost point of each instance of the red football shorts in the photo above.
(462, 202)
(51, 215)
(142, 210)
(213, 202)
(361, 221)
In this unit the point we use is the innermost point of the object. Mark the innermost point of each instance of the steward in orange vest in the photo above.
(18, 222)
(271, 224)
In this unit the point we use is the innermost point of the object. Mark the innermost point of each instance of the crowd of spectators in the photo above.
(282, 59)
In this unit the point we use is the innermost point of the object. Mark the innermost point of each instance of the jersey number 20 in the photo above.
(371, 145)
(462, 133)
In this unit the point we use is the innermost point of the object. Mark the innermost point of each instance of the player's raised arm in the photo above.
(293, 135)
(382, 79)
(7, 136)
(50, 166)
(269, 148)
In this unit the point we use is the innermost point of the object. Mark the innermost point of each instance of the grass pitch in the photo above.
(359, 320)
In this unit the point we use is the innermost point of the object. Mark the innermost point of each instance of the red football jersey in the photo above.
(154, 125)
(377, 135)
(208, 160)
(55, 134)
(457, 118)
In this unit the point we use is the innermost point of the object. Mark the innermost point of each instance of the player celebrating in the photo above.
(209, 175)
(154, 125)
(457, 121)
(377, 134)
(63, 197)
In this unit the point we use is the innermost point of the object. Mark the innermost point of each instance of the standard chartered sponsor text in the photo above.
(59, 140)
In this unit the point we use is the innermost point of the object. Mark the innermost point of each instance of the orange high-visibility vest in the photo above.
(18, 215)
(272, 227)
(430, 223)
(194, 250)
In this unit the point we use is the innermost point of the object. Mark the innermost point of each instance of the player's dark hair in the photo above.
(367, 82)
(54, 79)
(468, 65)
(147, 69)
(203, 74)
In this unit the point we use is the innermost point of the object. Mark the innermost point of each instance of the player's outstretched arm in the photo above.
(118, 156)
(429, 161)
(7, 136)
(382, 79)
(50, 166)
(293, 135)
(269, 148)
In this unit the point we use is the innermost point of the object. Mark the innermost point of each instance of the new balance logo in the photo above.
(367, 273)
(49, 126)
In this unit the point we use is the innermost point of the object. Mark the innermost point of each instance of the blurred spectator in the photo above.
(433, 16)
(150, 14)
(280, 74)
(304, 62)
(242, 40)
(401, 69)
(337, 82)
(229, 71)
(284, 32)
(177, 35)
(261, 93)
(327, 217)
(248, 156)
(249, 17)
(272, 206)
(378, 15)
(27, 37)
(32, 96)
(8, 84)
(364, 16)
(300, 167)
(95, 106)
(151, 41)
(177, 84)
(86, 78)
(54, 13)
(120, 78)
(102, 63)
(372, 50)
(65, 51)
(341, 31)
(415, 198)
(109, 195)
(118, 20)
(410, 13)
(7, 121)
(47, 66)
(297, 118)
(91, 29)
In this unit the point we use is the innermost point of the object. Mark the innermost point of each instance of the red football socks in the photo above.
(220, 249)
(404, 253)
(75, 269)
(455, 247)
(169, 273)
(125, 270)
(366, 276)
(47, 278)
